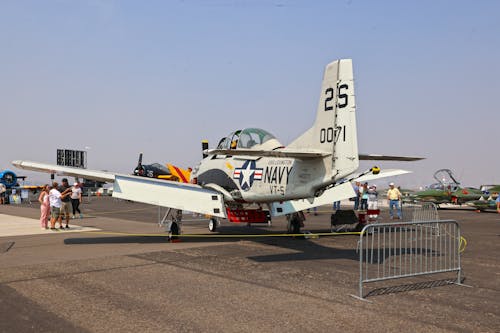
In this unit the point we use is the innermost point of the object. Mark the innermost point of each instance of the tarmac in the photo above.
(114, 271)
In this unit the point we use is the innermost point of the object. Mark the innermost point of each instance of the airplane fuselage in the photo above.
(264, 179)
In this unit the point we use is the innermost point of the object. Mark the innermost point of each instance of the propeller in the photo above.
(139, 169)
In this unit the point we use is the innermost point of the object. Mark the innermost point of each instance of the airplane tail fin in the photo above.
(183, 175)
(334, 130)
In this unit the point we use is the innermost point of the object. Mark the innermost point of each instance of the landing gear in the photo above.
(174, 231)
(295, 221)
(172, 221)
(213, 224)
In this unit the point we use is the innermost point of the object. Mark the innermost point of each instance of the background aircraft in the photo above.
(491, 190)
(9, 178)
(156, 170)
(251, 172)
(446, 190)
(482, 205)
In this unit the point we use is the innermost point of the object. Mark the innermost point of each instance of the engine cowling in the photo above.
(8, 178)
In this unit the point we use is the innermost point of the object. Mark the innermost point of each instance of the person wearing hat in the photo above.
(394, 196)
(76, 199)
(65, 200)
(55, 201)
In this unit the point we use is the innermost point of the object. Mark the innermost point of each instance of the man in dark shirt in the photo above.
(66, 201)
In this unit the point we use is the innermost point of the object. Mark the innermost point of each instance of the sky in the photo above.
(116, 78)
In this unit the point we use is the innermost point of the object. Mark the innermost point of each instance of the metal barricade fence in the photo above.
(424, 211)
(408, 249)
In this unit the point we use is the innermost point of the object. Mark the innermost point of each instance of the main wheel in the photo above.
(212, 225)
(293, 226)
(174, 231)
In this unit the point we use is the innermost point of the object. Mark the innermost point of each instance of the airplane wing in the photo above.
(267, 153)
(339, 192)
(102, 176)
(164, 193)
(377, 157)
(152, 191)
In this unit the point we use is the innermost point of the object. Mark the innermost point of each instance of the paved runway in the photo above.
(95, 282)
(20, 226)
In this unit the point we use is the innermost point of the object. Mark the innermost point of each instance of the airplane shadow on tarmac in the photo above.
(306, 250)
(126, 239)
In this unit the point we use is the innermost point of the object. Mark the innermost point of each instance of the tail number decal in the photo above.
(330, 135)
(342, 98)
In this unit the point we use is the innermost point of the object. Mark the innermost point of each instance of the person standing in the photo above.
(372, 202)
(65, 200)
(356, 198)
(43, 199)
(364, 196)
(372, 197)
(3, 190)
(76, 199)
(55, 201)
(336, 205)
(498, 203)
(394, 196)
(55, 206)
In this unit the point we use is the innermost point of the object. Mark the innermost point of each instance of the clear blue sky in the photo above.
(123, 77)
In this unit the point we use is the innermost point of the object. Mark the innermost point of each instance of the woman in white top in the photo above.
(43, 198)
(76, 199)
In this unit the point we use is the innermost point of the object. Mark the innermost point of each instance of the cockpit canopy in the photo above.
(247, 138)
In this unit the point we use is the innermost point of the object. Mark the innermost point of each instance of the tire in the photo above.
(293, 226)
(174, 231)
(212, 225)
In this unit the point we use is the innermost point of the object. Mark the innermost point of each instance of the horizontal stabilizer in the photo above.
(339, 192)
(268, 153)
(189, 197)
(376, 157)
(101, 176)
(382, 174)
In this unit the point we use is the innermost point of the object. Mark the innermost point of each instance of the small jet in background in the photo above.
(487, 202)
(446, 190)
(482, 205)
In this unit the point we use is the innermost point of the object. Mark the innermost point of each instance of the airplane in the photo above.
(156, 170)
(9, 178)
(446, 190)
(251, 175)
(491, 190)
(488, 201)
(482, 205)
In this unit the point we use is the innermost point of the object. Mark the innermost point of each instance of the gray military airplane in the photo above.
(251, 174)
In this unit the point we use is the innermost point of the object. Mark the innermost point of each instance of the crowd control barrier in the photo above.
(408, 249)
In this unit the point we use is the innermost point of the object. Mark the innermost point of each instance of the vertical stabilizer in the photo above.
(334, 130)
